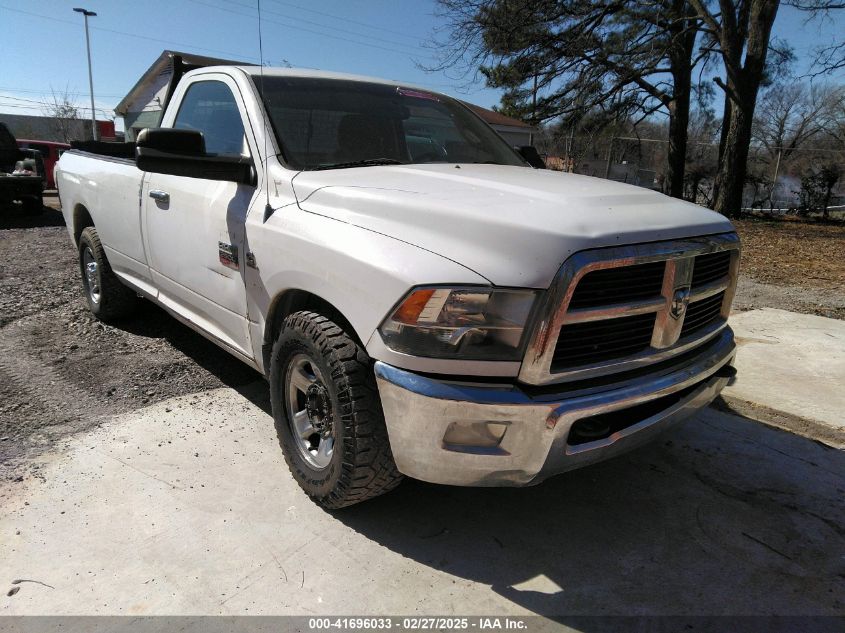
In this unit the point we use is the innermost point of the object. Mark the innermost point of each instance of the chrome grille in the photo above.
(594, 341)
(710, 267)
(702, 313)
(618, 309)
(609, 285)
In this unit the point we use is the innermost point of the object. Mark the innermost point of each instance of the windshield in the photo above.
(332, 123)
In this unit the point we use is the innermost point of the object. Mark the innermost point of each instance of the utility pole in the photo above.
(775, 180)
(91, 14)
(533, 109)
(609, 155)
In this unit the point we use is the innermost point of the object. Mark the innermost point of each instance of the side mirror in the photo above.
(531, 156)
(182, 153)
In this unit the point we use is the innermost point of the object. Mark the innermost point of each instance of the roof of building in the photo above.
(497, 118)
(162, 66)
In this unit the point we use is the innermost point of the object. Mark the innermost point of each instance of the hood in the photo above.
(514, 226)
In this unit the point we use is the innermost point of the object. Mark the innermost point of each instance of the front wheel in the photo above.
(328, 414)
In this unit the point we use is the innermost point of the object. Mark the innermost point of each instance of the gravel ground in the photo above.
(62, 371)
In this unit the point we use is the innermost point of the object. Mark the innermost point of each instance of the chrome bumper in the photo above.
(458, 433)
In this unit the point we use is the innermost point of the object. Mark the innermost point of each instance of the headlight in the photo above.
(465, 323)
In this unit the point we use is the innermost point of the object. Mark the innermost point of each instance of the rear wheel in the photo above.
(328, 414)
(107, 298)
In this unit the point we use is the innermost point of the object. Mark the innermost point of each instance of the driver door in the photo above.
(195, 227)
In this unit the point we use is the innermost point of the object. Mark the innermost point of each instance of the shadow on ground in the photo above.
(14, 218)
(723, 516)
(153, 322)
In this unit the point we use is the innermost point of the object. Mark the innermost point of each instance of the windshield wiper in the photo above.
(369, 162)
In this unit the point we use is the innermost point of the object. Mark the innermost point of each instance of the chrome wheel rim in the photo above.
(92, 279)
(309, 410)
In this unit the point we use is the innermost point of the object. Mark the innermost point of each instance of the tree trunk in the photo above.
(678, 139)
(742, 87)
(696, 182)
(731, 177)
(827, 195)
(680, 61)
(723, 139)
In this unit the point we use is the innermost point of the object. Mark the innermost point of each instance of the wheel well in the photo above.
(294, 301)
(81, 221)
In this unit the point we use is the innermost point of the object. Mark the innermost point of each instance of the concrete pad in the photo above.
(791, 369)
(187, 508)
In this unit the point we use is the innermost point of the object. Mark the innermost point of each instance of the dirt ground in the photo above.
(61, 370)
(792, 265)
(794, 253)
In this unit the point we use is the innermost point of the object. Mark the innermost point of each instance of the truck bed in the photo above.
(95, 179)
(105, 149)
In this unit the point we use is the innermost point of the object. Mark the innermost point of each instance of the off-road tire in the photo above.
(116, 300)
(362, 465)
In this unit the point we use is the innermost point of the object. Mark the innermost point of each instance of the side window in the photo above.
(210, 107)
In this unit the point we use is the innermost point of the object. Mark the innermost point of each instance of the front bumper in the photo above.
(471, 434)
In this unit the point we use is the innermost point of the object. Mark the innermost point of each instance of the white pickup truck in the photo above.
(421, 300)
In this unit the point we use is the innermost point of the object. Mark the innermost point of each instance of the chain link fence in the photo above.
(803, 181)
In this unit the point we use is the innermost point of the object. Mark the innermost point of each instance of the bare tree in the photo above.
(740, 31)
(828, 57)
(62, 108)
(560, 59)
(817, 186)
(791, 115)
(701, 158)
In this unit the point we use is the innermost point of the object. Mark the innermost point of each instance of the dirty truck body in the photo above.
(422, 301)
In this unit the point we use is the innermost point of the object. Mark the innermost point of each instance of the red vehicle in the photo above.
(50, 152)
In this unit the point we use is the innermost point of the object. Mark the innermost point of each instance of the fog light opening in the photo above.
(588, 430)
(474, 434)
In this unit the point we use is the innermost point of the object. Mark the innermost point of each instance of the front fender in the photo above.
(361, 273)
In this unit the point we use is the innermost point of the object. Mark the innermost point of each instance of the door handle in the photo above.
(160, 196)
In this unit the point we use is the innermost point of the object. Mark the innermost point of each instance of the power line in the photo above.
(21, 106)
(22, 99)
(135, 35)
(346, 19)
(306, 30)
(44, 92)
(49, 103)
(45, 104)
(324, 26)
(218, 51)
(180, 45)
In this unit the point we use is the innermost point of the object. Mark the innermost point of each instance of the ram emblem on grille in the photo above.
(680, 301)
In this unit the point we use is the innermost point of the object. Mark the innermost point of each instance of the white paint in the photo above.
(358, 238)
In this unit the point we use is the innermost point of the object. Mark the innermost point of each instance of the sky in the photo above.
(42, 44)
